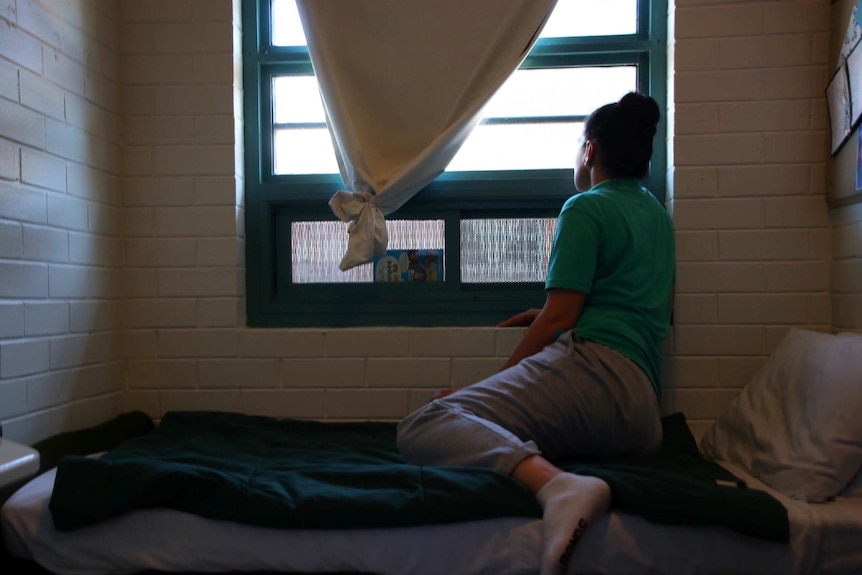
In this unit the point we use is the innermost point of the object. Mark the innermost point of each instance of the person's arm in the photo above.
(561, 312)
(523, 319)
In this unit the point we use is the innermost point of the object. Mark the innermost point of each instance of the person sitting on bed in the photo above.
(584, 380)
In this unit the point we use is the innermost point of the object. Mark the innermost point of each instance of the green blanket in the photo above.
(302, 474)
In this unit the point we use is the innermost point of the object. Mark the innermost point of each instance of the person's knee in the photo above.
(410, 434)
(422, 436)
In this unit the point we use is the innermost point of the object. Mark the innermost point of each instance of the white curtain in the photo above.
(403, 83)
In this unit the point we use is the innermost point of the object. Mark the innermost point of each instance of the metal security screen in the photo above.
(510, 250)
(317, 248)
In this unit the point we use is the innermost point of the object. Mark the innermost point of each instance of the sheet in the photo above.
(825, 537)
(621, 543)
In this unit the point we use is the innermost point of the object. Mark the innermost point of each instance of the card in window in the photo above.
(409, 266)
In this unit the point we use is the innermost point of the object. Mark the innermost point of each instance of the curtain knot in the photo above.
(367, 230)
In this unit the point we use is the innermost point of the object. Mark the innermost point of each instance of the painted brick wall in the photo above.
(846, 277)
(749, 157)
(61, 357)
(183, 246)
(754, 240)
(748, 151)
(186, 341)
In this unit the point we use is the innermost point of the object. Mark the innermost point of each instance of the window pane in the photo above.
(560, 91)
(557, 92)
(570, 18)
(296, 99)
(319, 246)
(286, 26)
(518, 147)
(511, 146)
(303, 151)
(591, 18)
(506, 250)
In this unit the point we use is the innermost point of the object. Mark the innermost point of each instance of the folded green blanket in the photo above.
(301, 474)
(678, 486)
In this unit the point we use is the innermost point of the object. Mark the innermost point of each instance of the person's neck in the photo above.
(598, 175)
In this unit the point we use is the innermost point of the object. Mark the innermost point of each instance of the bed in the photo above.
(368, 512)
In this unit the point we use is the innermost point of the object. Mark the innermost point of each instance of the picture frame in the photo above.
(854, 84)
(859, 160)
(846, 187)
(839, 106)
(844, 108)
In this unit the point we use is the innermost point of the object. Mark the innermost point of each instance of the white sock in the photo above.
(570, 503)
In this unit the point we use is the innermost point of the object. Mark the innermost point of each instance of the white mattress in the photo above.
(825, 539)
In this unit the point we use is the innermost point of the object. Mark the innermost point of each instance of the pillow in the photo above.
(797, 425)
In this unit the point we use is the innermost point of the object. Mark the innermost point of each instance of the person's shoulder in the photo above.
(658, 210)
(656, 203)
(583, 200)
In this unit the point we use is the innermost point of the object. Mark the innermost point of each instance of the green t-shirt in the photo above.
(616, 244)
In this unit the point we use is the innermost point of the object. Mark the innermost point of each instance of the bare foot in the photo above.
(570, 504)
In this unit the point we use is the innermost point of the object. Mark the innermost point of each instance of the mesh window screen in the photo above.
(319, 246)
(506, 250)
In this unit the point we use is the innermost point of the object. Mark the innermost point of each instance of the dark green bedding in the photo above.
(301, 474)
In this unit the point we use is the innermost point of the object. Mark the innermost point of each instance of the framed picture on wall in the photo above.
(838, 103)
(846, 178)
(854, 84)
(859, 159)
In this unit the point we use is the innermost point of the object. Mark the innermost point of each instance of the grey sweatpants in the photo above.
(574, 398)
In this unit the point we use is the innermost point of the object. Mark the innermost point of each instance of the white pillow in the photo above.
(798, 424)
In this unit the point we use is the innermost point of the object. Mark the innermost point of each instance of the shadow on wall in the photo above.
(64, 367)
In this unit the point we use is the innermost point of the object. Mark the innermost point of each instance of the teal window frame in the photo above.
(273, 202)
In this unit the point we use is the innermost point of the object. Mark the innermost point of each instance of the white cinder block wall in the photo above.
(749, 152)
(846, 279)
(186, 341)
(61, 357)
(181, 76)
(749, 174)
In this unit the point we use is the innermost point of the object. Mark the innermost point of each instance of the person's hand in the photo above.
(523, 319)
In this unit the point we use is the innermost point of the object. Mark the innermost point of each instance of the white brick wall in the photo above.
(60, 364)
(183, 248)
(846, 272)
(747, 182)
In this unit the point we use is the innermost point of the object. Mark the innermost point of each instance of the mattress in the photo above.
(657, 500)
(824, 540)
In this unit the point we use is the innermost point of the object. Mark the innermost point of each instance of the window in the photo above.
(492, 213)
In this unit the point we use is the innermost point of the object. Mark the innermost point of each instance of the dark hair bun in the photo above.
(642, 109)
(624, 132)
